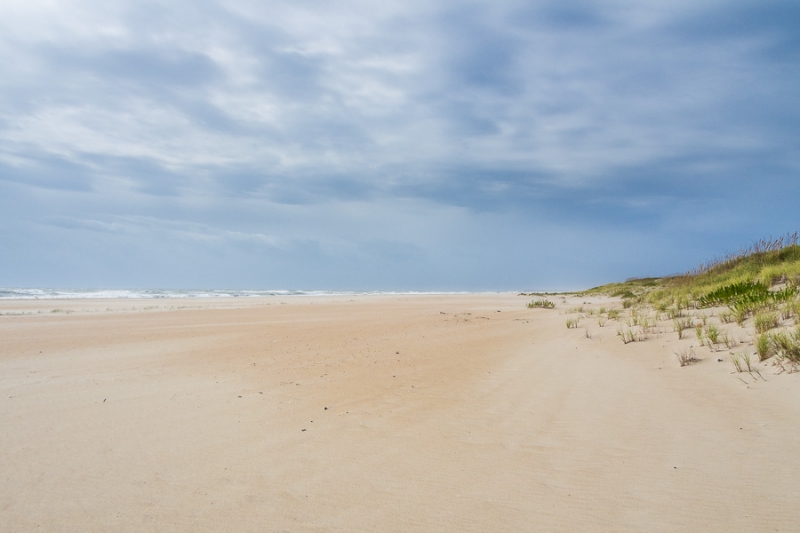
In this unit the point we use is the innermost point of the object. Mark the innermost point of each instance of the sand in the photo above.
(379, 413)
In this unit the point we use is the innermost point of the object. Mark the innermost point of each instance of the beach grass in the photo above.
(686, 356)
(750, 297)
(759, 277)
(542, 303)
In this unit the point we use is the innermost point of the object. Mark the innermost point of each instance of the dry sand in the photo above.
(378, 413)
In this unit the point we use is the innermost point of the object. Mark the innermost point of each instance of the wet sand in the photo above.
(378, 413)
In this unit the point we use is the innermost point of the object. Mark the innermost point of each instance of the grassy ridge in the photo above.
(755, 272)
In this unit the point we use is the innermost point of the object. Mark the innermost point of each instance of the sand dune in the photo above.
(378, 413)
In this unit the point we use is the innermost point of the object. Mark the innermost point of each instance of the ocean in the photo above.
(54, 294)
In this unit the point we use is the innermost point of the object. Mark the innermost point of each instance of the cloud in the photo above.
(243, 121)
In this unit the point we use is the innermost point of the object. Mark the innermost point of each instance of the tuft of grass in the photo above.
(542, 304)
(686, 356)
(572, 323)
(737, 363)
(725, 339)
(789, 310)
(601, 321)
(673, 313)
(631, 335)
(613, 314)
(682, 324)
(698, 330)
(740, 313)
(627, 335)
(741, 361)
(764, 322)
(712, 333)
(746, 359)
(764, 346)
(786, 344)
(726, 317)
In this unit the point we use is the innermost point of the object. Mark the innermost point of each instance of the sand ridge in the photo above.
(377, 413)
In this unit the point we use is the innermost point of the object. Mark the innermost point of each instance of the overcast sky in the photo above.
(392, 145)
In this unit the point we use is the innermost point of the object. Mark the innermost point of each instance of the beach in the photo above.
(451, 412)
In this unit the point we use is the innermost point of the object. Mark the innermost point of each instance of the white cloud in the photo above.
(344, 127)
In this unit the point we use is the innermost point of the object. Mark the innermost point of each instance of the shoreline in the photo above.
(177, 294)
(44, 306)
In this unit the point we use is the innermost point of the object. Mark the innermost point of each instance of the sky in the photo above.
(392, 145)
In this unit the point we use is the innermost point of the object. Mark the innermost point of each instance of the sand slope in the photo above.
(378, 413)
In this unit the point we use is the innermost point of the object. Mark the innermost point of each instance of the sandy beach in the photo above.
(379, 413)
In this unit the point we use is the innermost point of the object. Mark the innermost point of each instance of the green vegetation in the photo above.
(763, 345)
(542, 303)
(787, 344)
(757, 289)
(712, 334)
(759, 278)
(740, 361)
(682, 324)
(764, 322)
(736, 292)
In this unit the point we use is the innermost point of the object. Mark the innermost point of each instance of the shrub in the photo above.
(735, 292)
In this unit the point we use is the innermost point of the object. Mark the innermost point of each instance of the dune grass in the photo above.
(786, 344)
(686, 356)
(542, 304)
(763, 277)
(757, 288)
